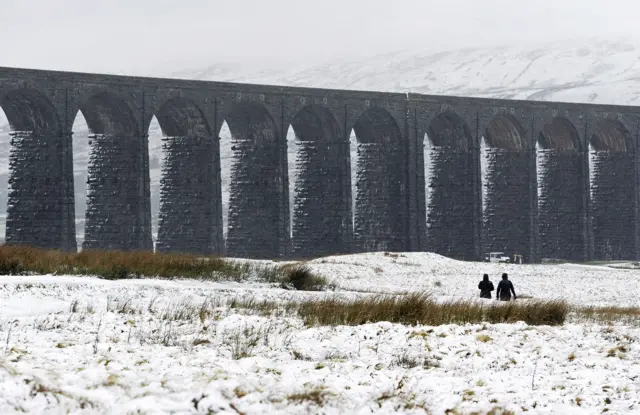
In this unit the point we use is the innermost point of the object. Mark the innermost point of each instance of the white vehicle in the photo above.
(497, 257)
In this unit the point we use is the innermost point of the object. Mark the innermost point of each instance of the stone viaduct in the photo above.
(541, 196)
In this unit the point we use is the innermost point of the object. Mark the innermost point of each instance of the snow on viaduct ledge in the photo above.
(540, 197)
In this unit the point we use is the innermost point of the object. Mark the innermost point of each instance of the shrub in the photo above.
(300, 277)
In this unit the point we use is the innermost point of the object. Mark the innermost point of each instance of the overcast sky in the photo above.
(136, 36)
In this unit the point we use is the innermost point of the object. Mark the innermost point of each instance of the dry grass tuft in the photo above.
(317, 396)
(300, 277)
(484, 338)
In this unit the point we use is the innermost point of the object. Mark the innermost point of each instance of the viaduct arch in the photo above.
(321, 205)
(380, 222)
(116, 217)
(449, 147)
(561, 178)
(187, 219)
(560, 194)
(613, 190)
(508, 181)
(37, 138)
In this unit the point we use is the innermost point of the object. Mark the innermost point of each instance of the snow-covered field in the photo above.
(84, 345)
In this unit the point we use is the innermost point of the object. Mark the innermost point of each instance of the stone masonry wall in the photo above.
(37, 196)
(450, 213)
(319, 221)
(40, 205)
(187, 205)
(560, 205)
(115, 194)
(380, 213)
(506, 213)
(612, 205)
(255, 193)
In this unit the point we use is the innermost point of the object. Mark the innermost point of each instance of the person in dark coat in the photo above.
(505, 288)
(485, 287)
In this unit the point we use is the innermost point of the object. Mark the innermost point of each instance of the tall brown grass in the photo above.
(137, 264)
(412, 309)
(113, 264)
(421, 308)
(609, 314)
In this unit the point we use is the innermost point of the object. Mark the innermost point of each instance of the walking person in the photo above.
(485, 287)
(505, 288)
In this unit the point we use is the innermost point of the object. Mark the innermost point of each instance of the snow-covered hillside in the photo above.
(605, 72)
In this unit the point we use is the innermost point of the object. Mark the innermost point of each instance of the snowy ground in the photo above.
(84, 345)
(578, 284)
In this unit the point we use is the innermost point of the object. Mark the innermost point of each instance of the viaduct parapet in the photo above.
(561, 179)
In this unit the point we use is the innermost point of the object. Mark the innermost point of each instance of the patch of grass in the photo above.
(619, 351)
(114, 265)
(420, 333)
(239, 392)
(407, 362)
(609, 314)
(536, 312)
(243, 340)
(496, 410)
(484, 338)
(421, 308)
(317, 396)
(300, 277)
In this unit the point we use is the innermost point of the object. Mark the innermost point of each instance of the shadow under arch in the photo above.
(108, 114)
(321, 206)
(505, 132)
(448, 129)
(40, 196)
(613, 191)
(28, 110)
(612, 136)
(508, 185)
(188, 209)
(561, 201)
(381, 211)
(258, 216)
(449, 178)
(560, 135)
(118, 215)
(181, 117)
